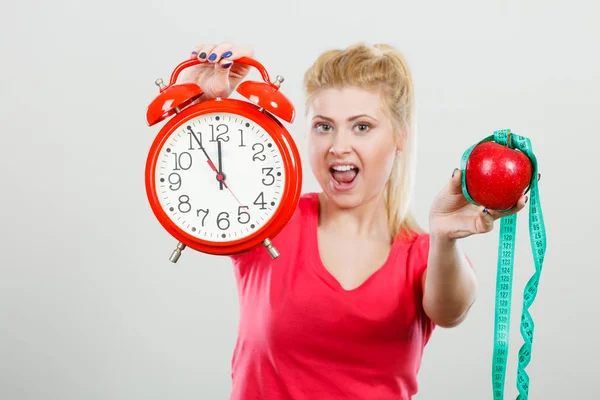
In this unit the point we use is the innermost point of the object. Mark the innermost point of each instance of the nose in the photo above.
(341, 143)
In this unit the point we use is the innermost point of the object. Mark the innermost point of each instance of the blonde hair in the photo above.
(379, 67)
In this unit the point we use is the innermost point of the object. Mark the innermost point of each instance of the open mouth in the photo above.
(344, 175)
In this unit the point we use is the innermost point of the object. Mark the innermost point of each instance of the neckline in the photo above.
(322, 270)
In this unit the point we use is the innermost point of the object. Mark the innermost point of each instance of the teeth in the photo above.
(343, 167)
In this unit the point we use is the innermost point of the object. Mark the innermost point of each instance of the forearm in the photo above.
(450, 284)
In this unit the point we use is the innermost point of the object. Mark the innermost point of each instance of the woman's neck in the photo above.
(368, 220)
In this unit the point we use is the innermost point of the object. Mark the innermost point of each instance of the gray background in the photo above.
(90, 306)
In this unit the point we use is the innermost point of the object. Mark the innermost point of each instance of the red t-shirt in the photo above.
(303, 337)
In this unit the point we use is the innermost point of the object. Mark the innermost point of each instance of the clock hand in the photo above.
(220, 164)
(220, 177)
(222, 180)
(211, 164)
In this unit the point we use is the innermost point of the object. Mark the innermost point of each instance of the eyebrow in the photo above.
(349, 119)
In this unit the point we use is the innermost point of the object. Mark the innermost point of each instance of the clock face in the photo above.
(219, 177)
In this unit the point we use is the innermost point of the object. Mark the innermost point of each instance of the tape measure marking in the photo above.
(505, 267)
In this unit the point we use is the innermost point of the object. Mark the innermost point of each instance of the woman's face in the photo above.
(351, 144)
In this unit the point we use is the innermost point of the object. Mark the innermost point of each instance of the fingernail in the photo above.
(526, 199)
(453, 172)
(194, 53)
(212, 57)
(226, 65)
(227, 54)
(485, 211)
(202, 56)
(539, 176)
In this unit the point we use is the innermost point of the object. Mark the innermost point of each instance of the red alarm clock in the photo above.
(223, 175)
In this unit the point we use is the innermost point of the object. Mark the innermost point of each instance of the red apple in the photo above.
(496, 175)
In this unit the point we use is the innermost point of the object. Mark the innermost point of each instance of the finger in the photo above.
(191, 74)
(241, 51)
(220, 51)
(234, 53)
(492, 213)
(455, 186)
(203, 50)
(220, 81)
(199, 49)
(519, 206)
(485, 222)
(521, 203)
(224, 66)
(219, 57)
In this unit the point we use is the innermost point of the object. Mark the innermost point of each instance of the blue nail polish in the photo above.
(227, 54)
(202, 56)
(194, 53)
(485, 210)
(212, 57)
(453, 172)
(227, 65)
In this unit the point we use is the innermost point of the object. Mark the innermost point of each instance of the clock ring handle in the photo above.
(242, 60)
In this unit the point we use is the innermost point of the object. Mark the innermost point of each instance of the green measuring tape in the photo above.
(504, 276)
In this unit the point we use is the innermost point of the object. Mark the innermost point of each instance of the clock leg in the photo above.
(177, 252)
(272, 250)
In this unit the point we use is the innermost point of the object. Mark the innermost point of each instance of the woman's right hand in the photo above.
(218, 74)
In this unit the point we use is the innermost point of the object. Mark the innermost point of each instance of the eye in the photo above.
(323, 127)
(363, 127)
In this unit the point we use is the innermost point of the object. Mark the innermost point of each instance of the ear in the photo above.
(400, 140)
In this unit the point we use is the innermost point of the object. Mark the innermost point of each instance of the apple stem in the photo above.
(508, 139)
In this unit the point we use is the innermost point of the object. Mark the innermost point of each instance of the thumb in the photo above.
(220, 81)
(455, 185)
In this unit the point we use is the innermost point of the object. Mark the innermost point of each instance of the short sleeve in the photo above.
(243, 261)
(418, 261)
(285, 241)
(419, 258)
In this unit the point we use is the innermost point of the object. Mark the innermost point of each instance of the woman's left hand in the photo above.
(452, 216)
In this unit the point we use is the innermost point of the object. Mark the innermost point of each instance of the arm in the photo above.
(449, 283)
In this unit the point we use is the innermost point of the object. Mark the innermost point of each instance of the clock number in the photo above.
(260, 201)
(258, 155)
(223, 216)
(180, 163)
(198, 211)
(269, 174)
(212, 129)
(197, 138)
(177, 184)
(184, 199)
(241, 212)
(241, 138)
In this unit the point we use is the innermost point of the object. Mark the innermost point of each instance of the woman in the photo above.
(346, 310)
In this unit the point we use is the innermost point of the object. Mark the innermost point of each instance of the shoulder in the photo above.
(306, 212)
(412, 250)
(415, 243)
(308, 207)
(413, 253)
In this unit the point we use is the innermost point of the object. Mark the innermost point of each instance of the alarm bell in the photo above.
(171, 100)
(268, 97)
